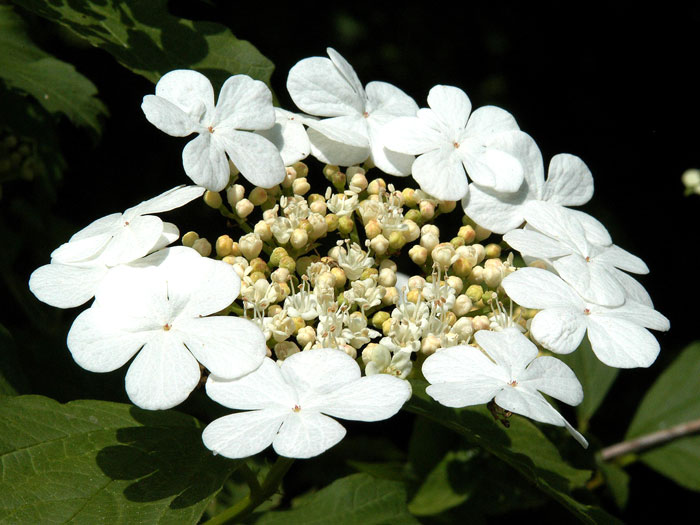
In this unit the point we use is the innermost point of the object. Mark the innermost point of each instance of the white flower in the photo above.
(449, 141)
(569, 183)
(618, 335)
(78, 266)
(184, 104)
(507, 371)
(289, 135)
(288, 405)
(156, 308)
(330, 88)
(561, 240)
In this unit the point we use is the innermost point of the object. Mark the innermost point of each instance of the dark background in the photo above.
(617, 86)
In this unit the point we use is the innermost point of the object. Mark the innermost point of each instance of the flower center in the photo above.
(513, 383)
(365, 114)
(166, 327)
(211, 129)
(455, 144)
(297, 408)
(586, 311)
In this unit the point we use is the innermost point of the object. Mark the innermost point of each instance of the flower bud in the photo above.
(481, 233)
(306, 336)
(442, 254)
(277, 255)
(379, 318)
(358, 181)
(427, 210)
(464, 328)
(229, 259)
(455, 283)
(429, 345)
(213, 199)
(326, 280)
(367, 351)
(474, 292)
(289, 177)
(447, 206)
(280, 275)
(372, 228)
(301, 186)
(412, 231)
(461, 267)
(257, 276)
(369, 272)
(429, 241)
(189, 238)
(288, 263)
(413, 296)
(223, 246)
(492, 251)
(284, 290)
(299, 238)
(273, 310)
(329, 170)
(391, 296)
(416, 282)
(345, 224)
(251, 245)
(340, 278)
(262, 230)
(376, 186)
(457, 242)
(462, 306)
(418, 254)
(492, 277)
(319, 207)
(414, 215)
(203, 246)
(476, 276)
(332, 222)
(409, 197)
(244, 208)
(480, 252)
(379, 244)
(338, 180)
(481, 322)
(467, 233)
(284, 349)
(387, 277)
(396, 241)
(234, 194)
(451, 318)
(302, 170)
(319, 228)
(386, 327)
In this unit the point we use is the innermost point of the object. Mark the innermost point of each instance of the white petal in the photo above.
(615, 256)
(66, 286)
(163, 374)
(228, 347)
(349, 130)
(462, 376)
(633, 288)
(387, 99)
(242, 435)
(621, 343)
(188, 90)
(166, 201)
(133, 240)
(97, 345)
(552, 377)
(441, 174)
(263, 388)
(490, 167)
(336, 153)
(205, 162)
(537, 288)
(498, 212)
(510, 349)
(451, 105)
(319, 371)
(593, 281)
(346, 70)
(103, 226)
(560, 330)
(370, 398)
(167, 117)
(212, 286)
(569, 181)
(244, 103)
(307, 434)
(595, 232)
(169, 235)
(256, 157)
(637, 313)
(489, 120)
(317, 87)
(289, 136)
(558, 223)
(533, 405)
(386, 160)
(89, 241)
(412, 136)
(535, 244)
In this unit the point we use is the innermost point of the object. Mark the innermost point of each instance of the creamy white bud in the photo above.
(391, 296)
(388, 263)
(481, 322)
(301, 186)
(251, 245)
(263, 230)
(284, 349)
(462, 306)
(416, 282)
(306, 336)
(290, 176)
(379, 244)
(443, 253)
(299, 238)
(280, 275)
(412, 231)
(429, 345)
(387, 277)
(234, 194)
(244, 208)
(203, 246)
(418, 254)
(492, 277)
(455, 283)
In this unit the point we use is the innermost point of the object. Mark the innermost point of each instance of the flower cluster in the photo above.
(277, 313)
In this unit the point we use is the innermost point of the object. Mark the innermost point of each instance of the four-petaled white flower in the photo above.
(156, 307)
(289, 135)
(450, 139)
(288, 405)
(78, 266)
(618, 336)
(556, 236)
(569, 183)
(507, 371)
(184, 104)
(330, 88)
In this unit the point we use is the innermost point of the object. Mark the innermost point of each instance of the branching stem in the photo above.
(650, 440)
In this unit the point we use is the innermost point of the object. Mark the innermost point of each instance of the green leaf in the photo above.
(617, 482)
(358, 499)
(98, 462)
(148, 40)
(522, 446)
(55, 84)
(595, 377)
(12, 380)
(448, 485)
(672, 400)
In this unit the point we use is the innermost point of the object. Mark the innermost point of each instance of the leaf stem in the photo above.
(247, 505)
(650, 440)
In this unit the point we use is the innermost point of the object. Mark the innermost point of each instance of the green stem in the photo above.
(247, 505)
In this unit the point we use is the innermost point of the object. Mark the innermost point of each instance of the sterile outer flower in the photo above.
(78, 266)
(184, 104)
(618, 336)
(289, 135)
(555, 236)
(156, 309)
(569, 183)
(507, 371)
(449, 139)
(330, 88)
(288, 406)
